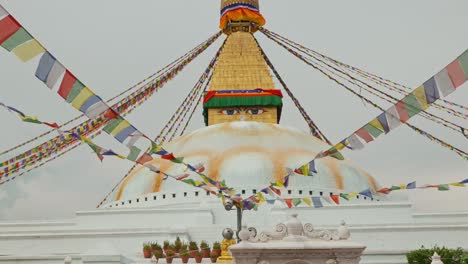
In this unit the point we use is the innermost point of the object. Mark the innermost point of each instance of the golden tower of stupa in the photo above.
(242, 87)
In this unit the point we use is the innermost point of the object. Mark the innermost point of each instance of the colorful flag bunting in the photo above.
(288, 203)
(19, 37)
(316, 201)
(335, 198)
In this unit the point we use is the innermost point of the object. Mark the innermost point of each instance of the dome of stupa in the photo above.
(248, 155)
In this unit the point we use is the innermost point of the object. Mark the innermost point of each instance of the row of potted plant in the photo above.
(183, 250)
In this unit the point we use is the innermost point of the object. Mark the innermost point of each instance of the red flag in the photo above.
(277, 191)
(53, 125)
(288, 202)
(182, 177)
(169, 156)
(144, 158)
(384, 190)
(111, 114)
(335, 198)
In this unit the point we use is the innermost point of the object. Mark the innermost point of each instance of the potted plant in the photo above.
(214, 257)
(193, 248)
(177, 245)
(217, 248)
(184, 256)
(147, 250)
(169, 256)
(158, 255)
(205, 249)
(155, 248)
(165, 244)
(198, 256)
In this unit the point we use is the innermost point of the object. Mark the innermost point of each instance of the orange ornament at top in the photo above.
(240, 11)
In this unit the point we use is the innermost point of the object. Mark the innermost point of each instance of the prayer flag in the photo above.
(307, 201)
(431, 91)
(352, 195)
(354, 142)
(412, 105)
(411, 185)
(96, 109)
(335, 198)
(444, 187)
(344, 196)
(21, 36)
(384, 191)
(393, 118)
(444, 83)
(144, 159)
(382, 118)
(420, 94)
(125, 133)
(364, 134)
(75, 91)
(367, 193)
(372, 130)
(464, 181)
(55, 73)
(402, 112)
(67, 84)
(169, 156)
(271, 201)
(28, 50)
(317, 202)
(456, 73)
(297, 201)
(46, 63)
(8, 27)
(286, 181)
(288, 202)
(31, 119)
(134, 153)
(463, 59)
(81, 98)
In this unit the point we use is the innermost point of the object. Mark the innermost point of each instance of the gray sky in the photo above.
(110, 45)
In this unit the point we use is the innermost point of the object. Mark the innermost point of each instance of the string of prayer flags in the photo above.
(75, 92)
(28, 119)
(124, 106)
(438, 86)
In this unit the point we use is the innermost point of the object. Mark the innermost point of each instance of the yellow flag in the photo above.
(457, 184)
(420, 94)
(376, 123)
(82, 97)
(307, 201)
(261, 198)
(28, 50)
(352, 195)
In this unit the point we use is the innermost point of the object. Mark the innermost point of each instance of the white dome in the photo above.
(247, 155)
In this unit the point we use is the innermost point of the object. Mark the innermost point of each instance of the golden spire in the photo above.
(241, 88)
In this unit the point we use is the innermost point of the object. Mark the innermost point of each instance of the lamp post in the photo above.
(229, 205)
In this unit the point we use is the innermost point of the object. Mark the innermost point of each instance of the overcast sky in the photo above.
(110, 45)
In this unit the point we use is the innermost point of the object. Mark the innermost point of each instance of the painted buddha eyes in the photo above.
(230, 112)
(251, 111)
(255, 111)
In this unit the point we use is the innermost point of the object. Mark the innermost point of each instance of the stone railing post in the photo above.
(436, 259)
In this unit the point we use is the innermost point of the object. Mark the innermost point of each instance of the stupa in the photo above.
(243, 144)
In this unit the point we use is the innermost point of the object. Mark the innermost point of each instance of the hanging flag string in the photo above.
(369, 88)
(207, 71)
(81, 97)
(385, 82)
(309, 168)
(58, 78)
(28, 119)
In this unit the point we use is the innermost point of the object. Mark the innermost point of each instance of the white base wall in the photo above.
(388, 229)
